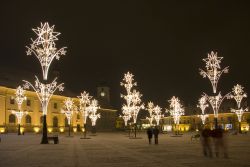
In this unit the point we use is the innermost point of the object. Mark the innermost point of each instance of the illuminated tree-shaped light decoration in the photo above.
(44, 47)
(150, 108)
(84, 102)
(68, 110)
(20, 97)
(44, 93)
(203, 105)
(213, 73)
(157, 114)
(133, 100)
(238, 94)
(176, 110)
(93, 115)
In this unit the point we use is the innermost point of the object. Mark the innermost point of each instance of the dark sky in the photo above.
(161, 42)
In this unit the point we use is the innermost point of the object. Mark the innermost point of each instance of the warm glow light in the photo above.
(36, 129)
(84, 102)
(50, 130)
(61, 130)
(75, 130)
(44, 47)
(21, 130)
(155, 113)
(133, 99)
(2, 130)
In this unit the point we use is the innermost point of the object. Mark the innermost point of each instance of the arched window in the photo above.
(41, 119)
(55, 122)
(66, 122)
(12, 118)
(28, 119)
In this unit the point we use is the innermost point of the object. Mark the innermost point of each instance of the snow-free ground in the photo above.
(117, 150)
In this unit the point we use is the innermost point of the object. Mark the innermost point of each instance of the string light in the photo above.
(203, 105)
(176, 109)
(92, 110)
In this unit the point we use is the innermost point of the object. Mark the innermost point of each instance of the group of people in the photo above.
(153, 132)
(214, 138)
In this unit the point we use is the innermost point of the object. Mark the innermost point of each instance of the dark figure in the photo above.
(206, 142)
(150, 134)
(156, 133)
(220, 142)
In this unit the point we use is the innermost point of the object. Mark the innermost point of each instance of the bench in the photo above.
(54, 138)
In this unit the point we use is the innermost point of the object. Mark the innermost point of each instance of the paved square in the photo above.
(115, 149)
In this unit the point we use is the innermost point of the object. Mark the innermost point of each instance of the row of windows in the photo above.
(12, 119)
(28, 102)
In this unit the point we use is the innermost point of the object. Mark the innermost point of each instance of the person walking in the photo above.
(156, 133)
(150, 134)
(206, 143)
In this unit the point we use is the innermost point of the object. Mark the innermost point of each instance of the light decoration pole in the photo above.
(176, 111)
(213, 73)
(68, 110)
(238, 94)
(133, 104)
(44, 48)
(92, 110)
(20, 97)
(203, 105)
(84, 102)
(155, 113)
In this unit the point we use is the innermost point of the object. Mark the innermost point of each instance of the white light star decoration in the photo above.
(176, 109)
(133, 99)
(213, 69)
(68, 109)
(92, 110)
(203, 105)
(44, 47)
(238, 94)
(155, 113)
(84, 102)
(44, 91)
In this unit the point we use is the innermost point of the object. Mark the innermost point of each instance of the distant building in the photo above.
(56, 121)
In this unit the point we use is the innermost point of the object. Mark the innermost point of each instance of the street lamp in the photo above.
(68, 110)
(176, 111)
(44, 48)
(238, 94)
(84, 102)
(203, 105)
(133, 100)
(20, 97)
(213, 73)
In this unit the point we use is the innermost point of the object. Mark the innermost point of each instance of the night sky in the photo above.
(162, 43)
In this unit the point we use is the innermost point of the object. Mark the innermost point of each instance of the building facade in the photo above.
(56, 121)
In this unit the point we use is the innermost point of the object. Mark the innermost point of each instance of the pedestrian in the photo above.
(206, 142)
(220, 142)
(150, 134)
(156, 133)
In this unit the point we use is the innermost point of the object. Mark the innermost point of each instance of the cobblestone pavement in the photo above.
(116, 149)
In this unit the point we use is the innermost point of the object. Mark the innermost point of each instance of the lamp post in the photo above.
(238, 94)
(68, 111)
(84, 102)
(44, 48)
(203, 105)
(20, 97)
(213, 72)
(133, 100)
(176, 111)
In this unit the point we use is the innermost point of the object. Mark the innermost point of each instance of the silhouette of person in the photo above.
(206, 142)
(156, 133)
(219, 142)
(150, 134)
